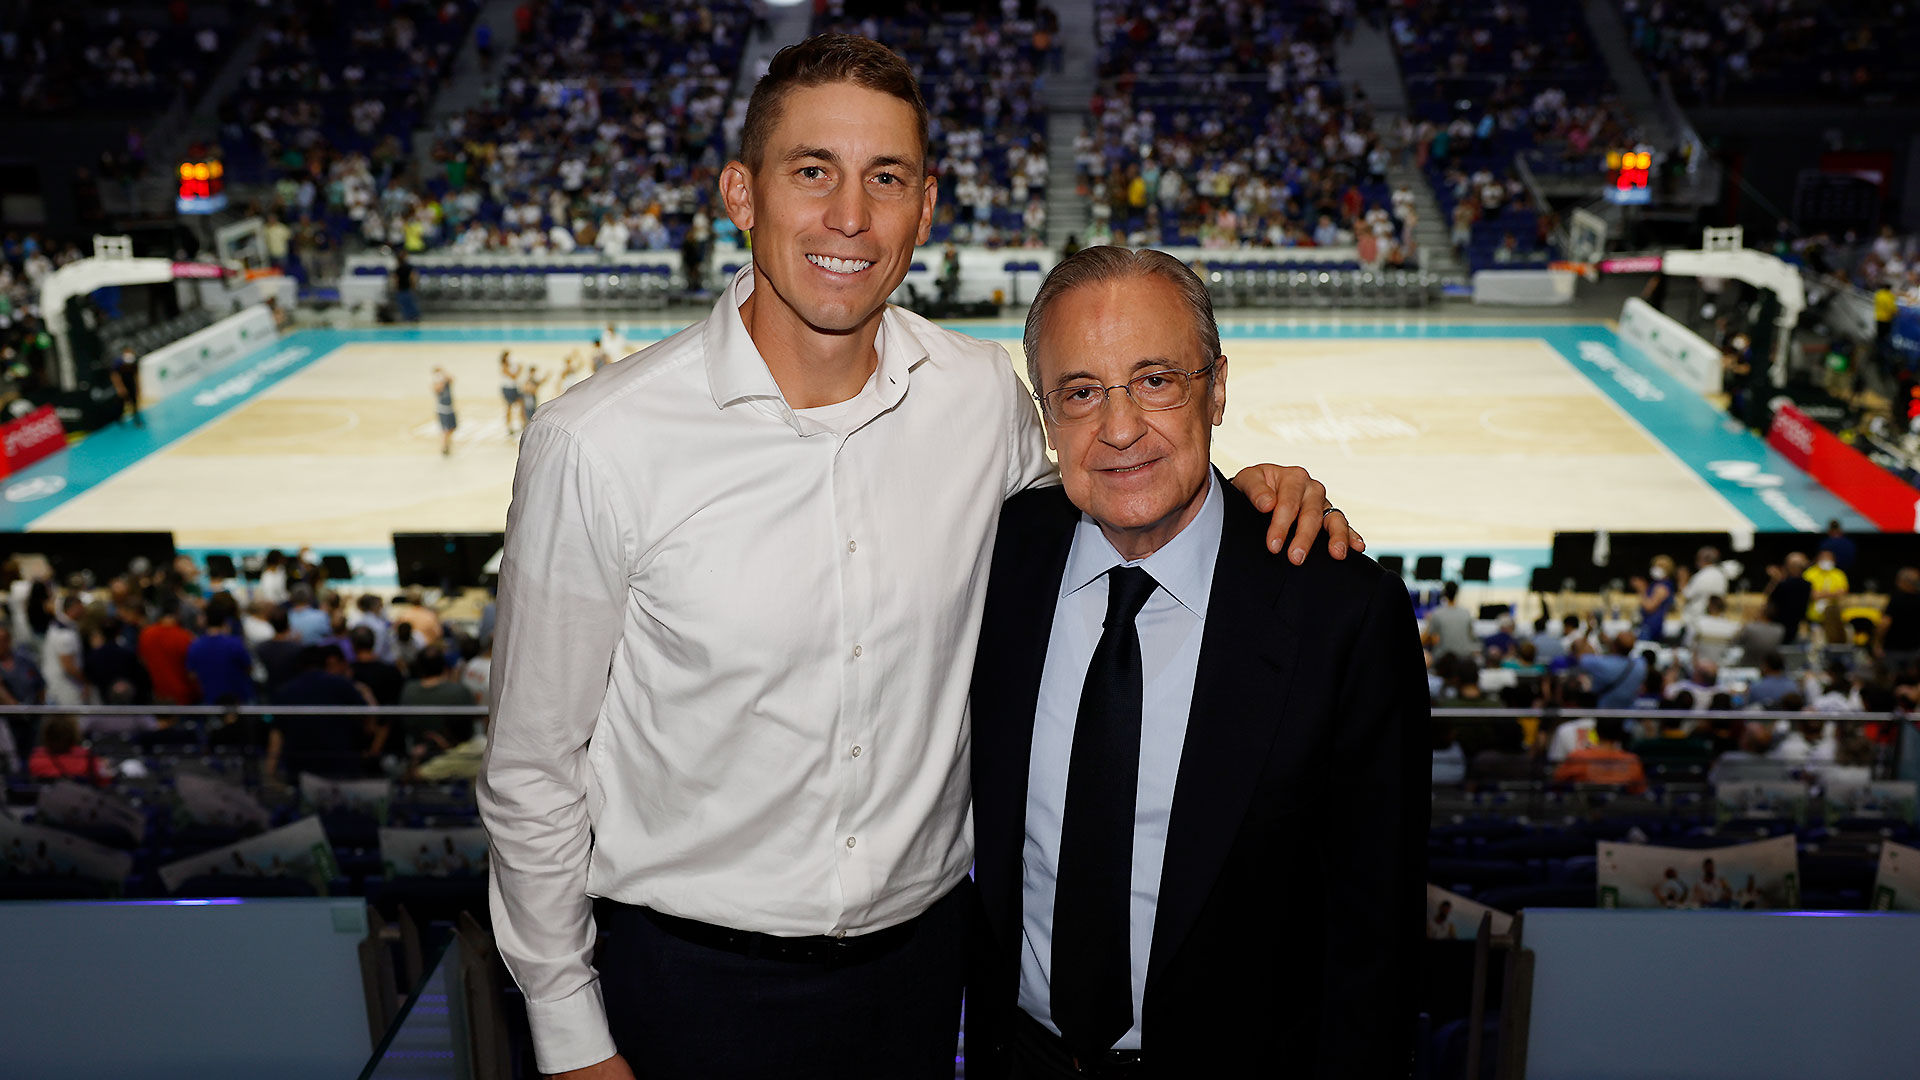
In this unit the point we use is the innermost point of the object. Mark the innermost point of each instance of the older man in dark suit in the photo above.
(1198, 769)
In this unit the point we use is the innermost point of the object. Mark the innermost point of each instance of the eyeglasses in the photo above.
(1156, 391)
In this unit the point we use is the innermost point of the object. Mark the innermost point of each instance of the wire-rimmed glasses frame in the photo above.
(1059, 406)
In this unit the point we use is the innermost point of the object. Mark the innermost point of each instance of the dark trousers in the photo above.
(680, 1010)
(1038, 1054)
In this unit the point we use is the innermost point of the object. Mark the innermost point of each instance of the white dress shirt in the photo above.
(1170, 628)
(734, 648)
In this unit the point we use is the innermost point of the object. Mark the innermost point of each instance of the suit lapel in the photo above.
(1239, 698)
(1017, 626)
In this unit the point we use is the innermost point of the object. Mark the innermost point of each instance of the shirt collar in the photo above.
(737, 372)
(1183, 567)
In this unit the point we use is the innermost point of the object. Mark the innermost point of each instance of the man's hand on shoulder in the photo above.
(1298, 502)
(614, 1068)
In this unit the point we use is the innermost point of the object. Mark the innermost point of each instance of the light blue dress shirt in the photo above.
(1170, 627)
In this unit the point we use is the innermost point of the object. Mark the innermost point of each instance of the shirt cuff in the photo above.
(570, 1033)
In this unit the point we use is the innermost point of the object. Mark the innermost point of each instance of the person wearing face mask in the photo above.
(1656, 598)
(1829, 592)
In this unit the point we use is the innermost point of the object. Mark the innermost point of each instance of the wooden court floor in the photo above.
(1495, 442)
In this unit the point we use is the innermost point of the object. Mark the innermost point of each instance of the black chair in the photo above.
(1426, 568)
(1394, 564)
(220, 567)
(1477, 568)
(336, 567)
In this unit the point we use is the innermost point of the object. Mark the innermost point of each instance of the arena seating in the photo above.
(1841, 52)
(986, 123)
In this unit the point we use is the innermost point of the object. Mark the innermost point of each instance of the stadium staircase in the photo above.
(1067, 94)
(174, 132)
(786, 26)
(1638, 95)
(1365, 59)
(466, 83)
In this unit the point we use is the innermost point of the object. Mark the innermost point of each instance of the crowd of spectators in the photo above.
(1775, 51)
(1492, 81)
(1682, 644)
(1226, 126)
(58, 58)
(982, 79)
(26, 347)
(162, 636)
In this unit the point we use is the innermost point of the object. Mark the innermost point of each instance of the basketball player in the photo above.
(510, 390)
(443, 408)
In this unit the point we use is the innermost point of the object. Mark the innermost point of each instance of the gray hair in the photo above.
(1093, 265)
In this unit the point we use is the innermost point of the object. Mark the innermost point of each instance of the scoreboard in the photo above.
(203, 188)
(1628, 176)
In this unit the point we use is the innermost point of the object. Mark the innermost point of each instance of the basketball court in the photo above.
(1437, 436)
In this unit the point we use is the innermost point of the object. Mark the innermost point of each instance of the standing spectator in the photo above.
(272, 586)
(477, 673)
(125, 374)
(309, 623)
(372, 672)
(20, 677)
(1708, 580)
(163, 649)
(60, 656)
(403, 297)
(277, 237)
(324, 745)
(1656, 599)
(1900, 622)
(1829, 584)
(279, 655)
(368, 613)
(1450, 627)
(1837, 545)
(219, 660)
(1789, 597)
(109, 663)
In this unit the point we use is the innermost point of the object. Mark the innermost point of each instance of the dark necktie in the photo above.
(1091, 993)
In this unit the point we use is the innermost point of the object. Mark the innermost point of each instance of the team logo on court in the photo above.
(39, 487)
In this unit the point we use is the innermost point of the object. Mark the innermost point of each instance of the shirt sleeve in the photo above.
(563, 600)
(1027, 462)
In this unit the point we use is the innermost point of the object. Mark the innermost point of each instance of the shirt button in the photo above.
(849, 841)
(856, 651)
(856, 751)
(851, 546)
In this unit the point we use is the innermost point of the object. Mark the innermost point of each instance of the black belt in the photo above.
(1054, 1052)
(823, 949)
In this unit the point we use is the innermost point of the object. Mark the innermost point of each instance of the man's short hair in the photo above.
(362, 638)
(1102, 263)
(818, 61)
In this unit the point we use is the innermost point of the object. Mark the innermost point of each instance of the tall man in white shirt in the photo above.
(738, 607)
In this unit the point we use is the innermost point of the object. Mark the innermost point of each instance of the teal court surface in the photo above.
(1437, 437)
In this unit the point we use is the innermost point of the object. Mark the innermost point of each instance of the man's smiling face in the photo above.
(837, 205)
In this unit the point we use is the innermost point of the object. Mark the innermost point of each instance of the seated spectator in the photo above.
(1449, 760)
(1524, 660)
(61, 755)
(1773, 683)
(1505, 757)
(1699, 685)
(1712, 633)
(1548, 646)
(433, 684)
(1615, 677)
(1900, 621)
(124, 726)
(1604, 762)
(310, 624)
(1806, 741)
(461, 761)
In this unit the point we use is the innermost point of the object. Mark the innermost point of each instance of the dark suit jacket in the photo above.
(1293, 892)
